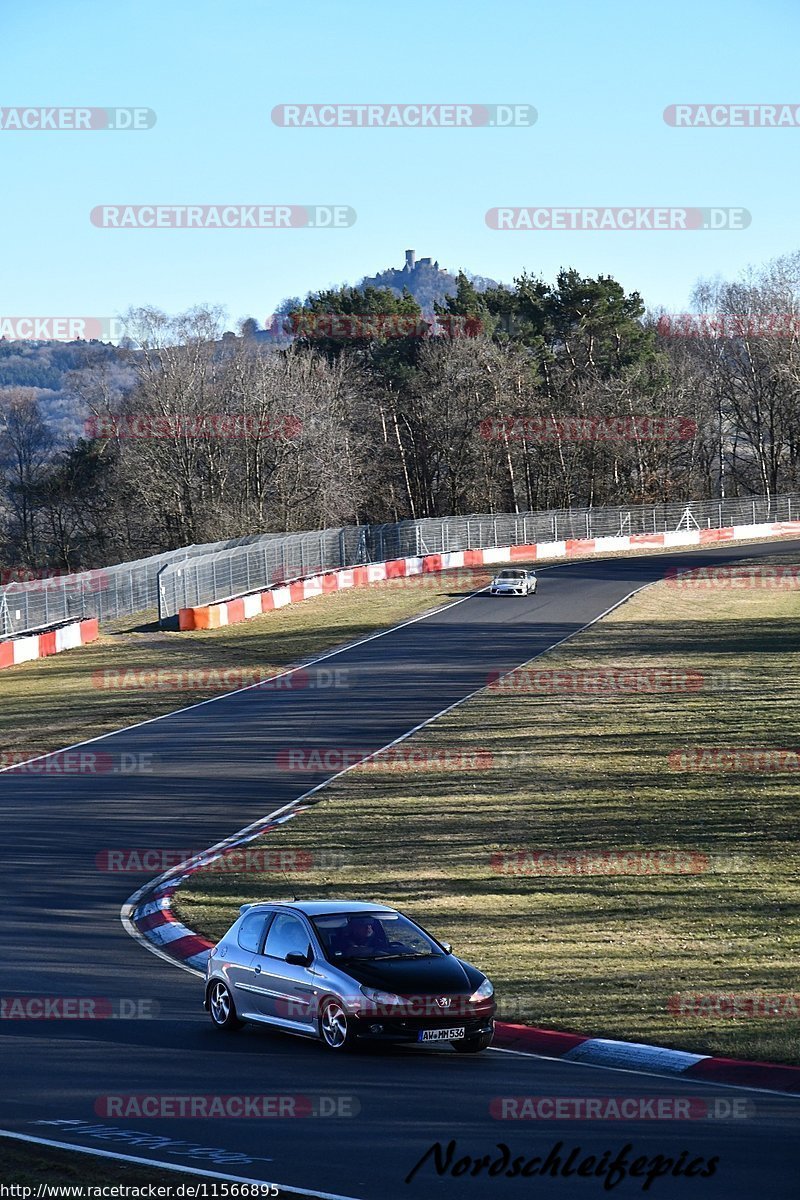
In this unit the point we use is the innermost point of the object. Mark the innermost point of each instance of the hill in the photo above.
(424, 279)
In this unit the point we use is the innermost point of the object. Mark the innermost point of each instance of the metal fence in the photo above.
(216, 571)
(435, 536)
(210, 577)
(106, 593)
(233, 572)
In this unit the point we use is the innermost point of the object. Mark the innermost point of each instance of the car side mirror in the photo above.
(448, 949)
(298, 960)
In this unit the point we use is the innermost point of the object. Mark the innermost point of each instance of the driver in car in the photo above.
(360, 938)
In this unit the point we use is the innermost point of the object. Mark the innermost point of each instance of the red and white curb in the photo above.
(242, 608)
(635, 1056)
(15, 651)
(148, 916)
(148, 913)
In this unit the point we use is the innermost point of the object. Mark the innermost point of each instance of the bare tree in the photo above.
(26, 447)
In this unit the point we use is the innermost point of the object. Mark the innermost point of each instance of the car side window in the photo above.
(287, 935)
(251, 930)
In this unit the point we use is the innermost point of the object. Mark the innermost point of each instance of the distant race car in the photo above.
(515, 581)
(346, 972)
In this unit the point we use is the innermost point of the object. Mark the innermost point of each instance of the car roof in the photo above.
(316, 908)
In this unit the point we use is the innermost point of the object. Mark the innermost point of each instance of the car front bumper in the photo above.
(388, 1027)
(409, 1031)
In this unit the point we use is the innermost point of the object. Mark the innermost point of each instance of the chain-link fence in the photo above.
(440, 535)
(207, 578)
(216, 571)
(233, 572)
(107, 593)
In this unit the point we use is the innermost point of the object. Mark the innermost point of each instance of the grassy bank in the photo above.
(571, 944)
(65, 699)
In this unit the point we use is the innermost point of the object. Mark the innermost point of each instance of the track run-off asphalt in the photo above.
(215, 768)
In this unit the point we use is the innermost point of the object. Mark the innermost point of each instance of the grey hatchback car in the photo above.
(346, 973)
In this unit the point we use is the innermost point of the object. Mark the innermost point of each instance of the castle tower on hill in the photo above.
(411, 264)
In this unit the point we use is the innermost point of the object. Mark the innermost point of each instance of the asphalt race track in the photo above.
(215, 771)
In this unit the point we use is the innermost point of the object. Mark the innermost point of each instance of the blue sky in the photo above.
(599, 74)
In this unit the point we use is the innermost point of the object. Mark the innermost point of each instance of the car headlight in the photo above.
(378, 997)
(483, 993)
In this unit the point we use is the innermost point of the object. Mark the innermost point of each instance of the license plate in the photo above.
(440, 1035)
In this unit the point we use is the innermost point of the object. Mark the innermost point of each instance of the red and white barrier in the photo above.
(52, 641)
(149, 916)
(228, 612)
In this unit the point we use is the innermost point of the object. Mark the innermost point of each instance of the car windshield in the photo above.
(372, 936)
(511, 575)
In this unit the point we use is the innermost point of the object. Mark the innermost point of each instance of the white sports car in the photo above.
(515, 581)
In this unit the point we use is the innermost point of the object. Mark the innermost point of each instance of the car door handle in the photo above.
(258, 970)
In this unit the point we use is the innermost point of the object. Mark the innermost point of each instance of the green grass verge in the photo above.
(596, 953)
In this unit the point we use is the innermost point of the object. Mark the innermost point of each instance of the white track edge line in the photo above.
(127, 909)
(611, 556)
(681, 1075)
(184, 1170)
(130, 904)
(236, 691)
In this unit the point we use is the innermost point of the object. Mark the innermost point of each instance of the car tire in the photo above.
(221, 1008)
(335, 1030)
(473, 1045)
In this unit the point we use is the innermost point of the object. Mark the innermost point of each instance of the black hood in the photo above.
(439, 975)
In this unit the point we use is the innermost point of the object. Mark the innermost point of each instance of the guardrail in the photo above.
(106, 593)
(212, 578)
(204, 574)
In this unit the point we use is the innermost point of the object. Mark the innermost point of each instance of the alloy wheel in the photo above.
(334, 1025)
(220, 1003)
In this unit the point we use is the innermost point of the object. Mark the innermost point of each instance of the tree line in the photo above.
(365, 410)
